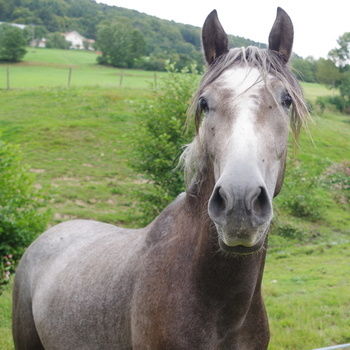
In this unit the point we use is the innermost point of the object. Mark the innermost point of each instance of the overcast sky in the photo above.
(317, 23)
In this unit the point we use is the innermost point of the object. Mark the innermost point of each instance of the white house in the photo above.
(20, 26)
(77, 41)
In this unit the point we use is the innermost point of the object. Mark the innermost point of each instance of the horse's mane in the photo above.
(267, 62)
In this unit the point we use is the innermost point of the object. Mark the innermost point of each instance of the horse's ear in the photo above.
(214, 38)
(281, 35)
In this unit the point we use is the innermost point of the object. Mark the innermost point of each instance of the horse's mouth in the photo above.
(241, 249)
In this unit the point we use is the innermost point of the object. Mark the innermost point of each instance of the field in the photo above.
(50, 68)
(79, 143)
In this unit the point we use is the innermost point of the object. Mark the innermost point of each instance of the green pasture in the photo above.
(51, 68)
(79, 143)
(60, 57)
(314, 90)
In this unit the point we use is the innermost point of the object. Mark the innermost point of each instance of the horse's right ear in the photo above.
(214, 38)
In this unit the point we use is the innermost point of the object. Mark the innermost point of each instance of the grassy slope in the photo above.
(79, 141)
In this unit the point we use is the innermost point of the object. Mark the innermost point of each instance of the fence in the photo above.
(341, 346)
(32, 76)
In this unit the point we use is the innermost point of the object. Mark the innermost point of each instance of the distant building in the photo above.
(38, 42)
(78, 42)
(21, 26)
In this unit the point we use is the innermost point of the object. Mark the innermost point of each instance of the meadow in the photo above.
(79, 143)
(50, 68)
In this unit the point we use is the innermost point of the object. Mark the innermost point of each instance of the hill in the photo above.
(163, 38)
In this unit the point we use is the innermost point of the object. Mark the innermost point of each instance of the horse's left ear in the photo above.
(214, 38)
(281, 35)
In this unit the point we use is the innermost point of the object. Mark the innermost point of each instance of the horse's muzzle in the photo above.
(241, 216)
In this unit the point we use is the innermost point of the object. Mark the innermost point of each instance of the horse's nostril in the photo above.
(261, 203)
(218, 201)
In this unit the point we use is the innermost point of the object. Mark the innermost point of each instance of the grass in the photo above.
(307, 297)
(5, 319)
(50, 68)
(316, 90)
(60, 57)
(79, 144)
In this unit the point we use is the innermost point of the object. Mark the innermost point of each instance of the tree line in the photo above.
(149, 42)
(129, 39)
(333, 72)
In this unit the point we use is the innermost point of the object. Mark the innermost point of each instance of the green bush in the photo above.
(160, 141)
(12, 43)
(337, 102)
(22, 207)
(286, 230)
(301, 194)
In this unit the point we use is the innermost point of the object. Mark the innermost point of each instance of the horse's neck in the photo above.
(222, 279)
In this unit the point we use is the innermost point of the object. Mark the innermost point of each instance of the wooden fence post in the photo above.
(155, 81)
(69, 76)
(8, 78)
(121, 78)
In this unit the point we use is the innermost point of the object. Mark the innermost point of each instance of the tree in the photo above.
(12, 43)
(344, 87)
(57, 41)
(34, 33)
(327, 73)
(341, 55)
(120, 44)
(138, 45)
(304, 69)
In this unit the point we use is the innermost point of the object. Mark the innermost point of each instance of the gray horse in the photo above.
(192, 278)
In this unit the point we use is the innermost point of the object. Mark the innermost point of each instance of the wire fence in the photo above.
(31, 76)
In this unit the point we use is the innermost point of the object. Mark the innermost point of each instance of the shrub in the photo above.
(287, 231)
(152, 63)
(7, 267)
(337, 102)
(22, 208)
(161, 138)
(301, 194)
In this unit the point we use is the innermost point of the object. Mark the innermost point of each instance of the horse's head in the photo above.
(243, 107)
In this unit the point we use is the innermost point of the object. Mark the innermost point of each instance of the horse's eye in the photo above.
(286, 100)
(203, 105)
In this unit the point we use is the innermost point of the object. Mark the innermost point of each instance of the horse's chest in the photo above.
(180, 323)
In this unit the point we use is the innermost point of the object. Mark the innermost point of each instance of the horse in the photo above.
(192, 278)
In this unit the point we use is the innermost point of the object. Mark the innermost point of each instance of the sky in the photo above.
(317, 23)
